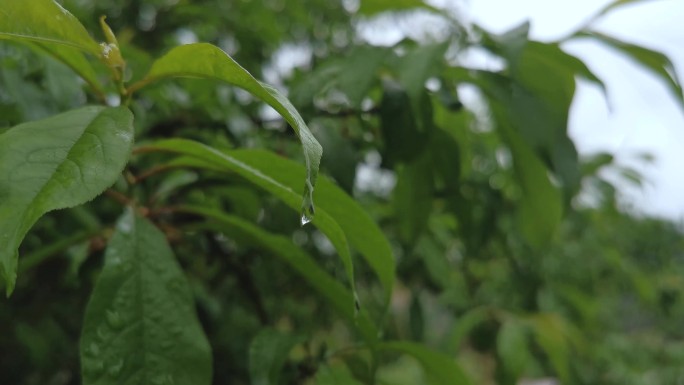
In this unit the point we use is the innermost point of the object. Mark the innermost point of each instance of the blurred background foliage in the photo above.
(515, 257)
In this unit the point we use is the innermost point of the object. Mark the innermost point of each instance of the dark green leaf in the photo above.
(413, 198)
(140, 322)
(247, 233)
(57, 163)
(267, 355)
(207, 61)
(44, 21)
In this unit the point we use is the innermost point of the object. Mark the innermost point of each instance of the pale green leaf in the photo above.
(439, 368)
(44, 21)
(267, 355)
(281, 247)
(339, 217)
(654, 61)
(55, 163)
(512, 349)
(140, 325)
(207, 61)
(373, 7)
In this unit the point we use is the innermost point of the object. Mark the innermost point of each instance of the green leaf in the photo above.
(44, 21)
(512, 349)
(613, 5)
(140, 324)
(541, 205)
(245, 232)
(358, 72)
(412, 198)
(652, 60)
(207, 61)
(55, 163)
(339, 217)
(440, 369)
(551, 334)
(75, 60)
(373, 7)
(267, 354)
(266, 179)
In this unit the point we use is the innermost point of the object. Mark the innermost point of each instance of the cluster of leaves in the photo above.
(177, 258)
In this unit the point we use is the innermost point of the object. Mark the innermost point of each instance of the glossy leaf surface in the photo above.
(339, 217)
(55, 163)
(43, 21)
(207, 61)
(140, 325)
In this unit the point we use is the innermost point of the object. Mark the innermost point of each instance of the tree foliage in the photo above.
(163, 219)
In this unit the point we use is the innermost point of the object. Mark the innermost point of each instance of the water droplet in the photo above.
(307, 205)
(124, 227)
(116, 368)
(114, 319)
(305, 219)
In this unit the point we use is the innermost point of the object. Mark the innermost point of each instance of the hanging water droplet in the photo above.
(305, 219)
(308, 209)
(115, 369)
(114, 319)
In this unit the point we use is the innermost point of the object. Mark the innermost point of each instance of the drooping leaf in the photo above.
(652, 60)
(265, 178)
(44, 21)
(207, 61)
(439, 368)
(247, 233)
(267, 354)
(338, 215)
(55, 163)
(140, 324)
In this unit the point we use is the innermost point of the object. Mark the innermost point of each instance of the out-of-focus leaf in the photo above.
(413, 198)
(203, 60)
(44, 21)
(373, 7)
(140, 321)
(339, 216)
(75, 60)
(283, 248)
(550, 332)
(406, 131)
(654, 61)
(418, 65)
(440, 369)
(267, 355)
(614, 5)
(359, 71)
(55, 163)
(335, 375)
(465, 324)
(416, 318)
(445, 156)
(341, 158)
(541, 205)
(512, 348)
(508, 44)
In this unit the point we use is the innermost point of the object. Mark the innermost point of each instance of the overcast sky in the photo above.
(643, 115)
